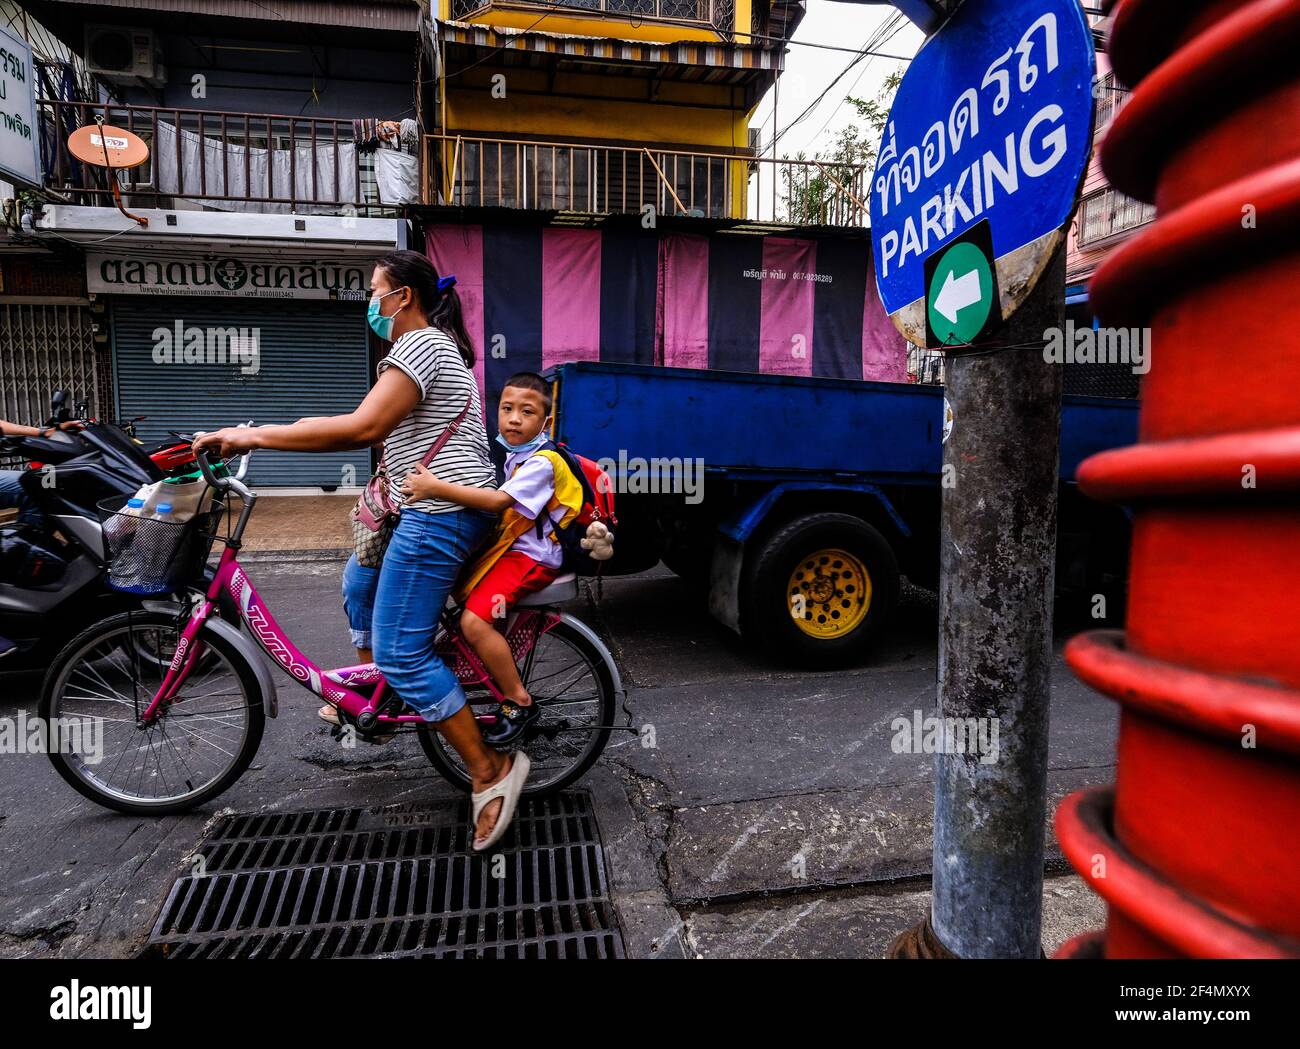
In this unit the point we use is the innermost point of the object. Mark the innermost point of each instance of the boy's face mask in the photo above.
(527, 446)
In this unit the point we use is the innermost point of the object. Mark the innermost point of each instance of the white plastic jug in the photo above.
(187, 498)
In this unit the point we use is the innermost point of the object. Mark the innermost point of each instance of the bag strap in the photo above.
(448, 433)
(438, 445)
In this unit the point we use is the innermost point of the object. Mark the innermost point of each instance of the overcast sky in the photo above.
(808, 71)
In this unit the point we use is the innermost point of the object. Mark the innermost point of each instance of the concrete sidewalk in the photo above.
(301, 525)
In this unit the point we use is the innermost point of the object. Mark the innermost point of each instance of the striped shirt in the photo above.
(429, 357)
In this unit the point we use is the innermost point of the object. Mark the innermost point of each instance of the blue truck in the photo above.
(800, 503)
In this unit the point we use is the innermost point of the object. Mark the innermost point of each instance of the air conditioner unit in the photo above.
(124, 55)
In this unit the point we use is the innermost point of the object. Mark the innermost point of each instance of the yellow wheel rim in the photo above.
(829, 593)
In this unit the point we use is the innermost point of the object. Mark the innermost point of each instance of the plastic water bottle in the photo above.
(120, 529)
(162, 512)
(147, 495)
(117, 527)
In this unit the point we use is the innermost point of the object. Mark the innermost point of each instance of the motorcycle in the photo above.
(53, 578)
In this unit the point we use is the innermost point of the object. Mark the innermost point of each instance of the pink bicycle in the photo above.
(164, 732)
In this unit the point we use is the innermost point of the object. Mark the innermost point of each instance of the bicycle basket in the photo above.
(146, 555)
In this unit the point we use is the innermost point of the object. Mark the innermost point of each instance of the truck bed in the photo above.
(751, 425)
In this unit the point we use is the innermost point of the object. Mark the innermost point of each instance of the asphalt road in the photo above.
(770, 818)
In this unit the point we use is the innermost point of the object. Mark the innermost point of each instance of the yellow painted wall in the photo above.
(594, 107)
(608, 108)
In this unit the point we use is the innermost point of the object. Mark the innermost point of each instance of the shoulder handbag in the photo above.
(376, 514)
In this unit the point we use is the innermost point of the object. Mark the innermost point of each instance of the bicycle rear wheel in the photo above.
(199, 744)
(568, 678)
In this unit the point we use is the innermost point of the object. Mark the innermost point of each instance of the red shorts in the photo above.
(513, 576)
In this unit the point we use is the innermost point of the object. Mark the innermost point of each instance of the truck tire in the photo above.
(834, 568)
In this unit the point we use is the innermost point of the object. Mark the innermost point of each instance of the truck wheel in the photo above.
(820, 589)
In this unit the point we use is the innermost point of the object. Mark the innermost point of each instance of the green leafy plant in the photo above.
(834, 190)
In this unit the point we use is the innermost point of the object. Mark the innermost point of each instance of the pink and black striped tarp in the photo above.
(538, 296)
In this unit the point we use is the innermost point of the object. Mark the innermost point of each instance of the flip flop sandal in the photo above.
(508, 791)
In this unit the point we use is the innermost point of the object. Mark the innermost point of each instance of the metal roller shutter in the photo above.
(46, 347)
(313, 361)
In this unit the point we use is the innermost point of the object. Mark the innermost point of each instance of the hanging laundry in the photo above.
(366, 132)
(396, 145)
(401, 135)
(210, 165)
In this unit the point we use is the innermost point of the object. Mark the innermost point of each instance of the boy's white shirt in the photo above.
(530, 482)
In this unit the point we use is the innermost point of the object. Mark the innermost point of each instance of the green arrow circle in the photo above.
(960, 294)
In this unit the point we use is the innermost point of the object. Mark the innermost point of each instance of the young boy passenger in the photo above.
(524, 557)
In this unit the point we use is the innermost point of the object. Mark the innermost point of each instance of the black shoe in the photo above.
(511, 720)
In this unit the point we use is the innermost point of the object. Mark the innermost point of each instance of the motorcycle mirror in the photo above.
(58, 410)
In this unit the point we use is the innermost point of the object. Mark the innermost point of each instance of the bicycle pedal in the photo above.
(377, 739)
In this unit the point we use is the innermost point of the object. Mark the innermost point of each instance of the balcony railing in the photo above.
(258, 162)
(696, 12)
(604, 179)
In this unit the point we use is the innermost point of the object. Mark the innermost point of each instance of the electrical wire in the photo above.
(848, 94)
(864, 52)
(983, 349)
(42, 234)
(826, 47)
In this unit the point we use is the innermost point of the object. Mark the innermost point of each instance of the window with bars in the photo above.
(675, 10)
(1110, 99)
(1109, 213)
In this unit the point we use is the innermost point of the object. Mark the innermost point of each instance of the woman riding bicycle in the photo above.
(424, 383)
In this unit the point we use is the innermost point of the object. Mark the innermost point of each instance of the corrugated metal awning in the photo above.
(681, 53)
(395, 15)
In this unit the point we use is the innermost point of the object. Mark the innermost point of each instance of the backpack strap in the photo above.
(588, 496)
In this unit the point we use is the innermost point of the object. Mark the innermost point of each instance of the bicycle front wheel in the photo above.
(195, 748)
(569, 680)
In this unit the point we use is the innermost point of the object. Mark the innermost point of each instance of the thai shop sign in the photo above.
(19, 159)
(227, 277)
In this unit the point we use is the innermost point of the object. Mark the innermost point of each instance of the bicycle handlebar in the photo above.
(232, 483)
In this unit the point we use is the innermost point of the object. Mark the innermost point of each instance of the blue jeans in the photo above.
(359, 586)
(420, 567)
(12, 494)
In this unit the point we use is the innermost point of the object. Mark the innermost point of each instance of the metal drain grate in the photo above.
(396, 882)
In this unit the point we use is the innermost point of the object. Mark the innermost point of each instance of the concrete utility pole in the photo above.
(989, 292)
(995, 647)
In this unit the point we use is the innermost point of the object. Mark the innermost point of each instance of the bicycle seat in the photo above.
(564, 588)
